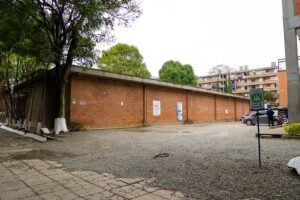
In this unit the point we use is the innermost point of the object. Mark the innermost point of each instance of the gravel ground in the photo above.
(206, 161)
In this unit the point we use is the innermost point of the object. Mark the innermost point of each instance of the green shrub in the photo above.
(292, 129)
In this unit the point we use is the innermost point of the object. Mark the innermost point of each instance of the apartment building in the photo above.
(243, 80)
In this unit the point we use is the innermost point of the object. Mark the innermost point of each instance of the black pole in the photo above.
(258, 137)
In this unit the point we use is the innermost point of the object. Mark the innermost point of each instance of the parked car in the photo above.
(284, 113)
(263, 118)
(244, 115)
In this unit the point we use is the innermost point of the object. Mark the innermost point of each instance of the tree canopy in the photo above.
(71, 29)
(175, 72)
(23, 45)
(220, 69)
(269, 96)
(123, 59)
(228, 84)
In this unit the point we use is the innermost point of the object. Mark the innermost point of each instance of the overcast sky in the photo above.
(205, 33)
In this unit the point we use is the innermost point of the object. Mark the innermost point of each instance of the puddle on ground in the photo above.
(40, 154)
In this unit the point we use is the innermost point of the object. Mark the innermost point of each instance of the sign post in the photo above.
(256, 104)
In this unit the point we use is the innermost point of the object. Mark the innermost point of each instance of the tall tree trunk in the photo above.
(63, 72)
(62, 91)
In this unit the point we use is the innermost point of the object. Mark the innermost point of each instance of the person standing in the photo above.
(270, 114)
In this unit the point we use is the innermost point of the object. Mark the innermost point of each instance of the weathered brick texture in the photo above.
(225, 108)
(241, 108)
(105, 103)
(201, 107)
(99, 102)
(297, 7)
(168, 98)
(282, 89)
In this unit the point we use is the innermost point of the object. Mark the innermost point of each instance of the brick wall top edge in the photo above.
(128, 78)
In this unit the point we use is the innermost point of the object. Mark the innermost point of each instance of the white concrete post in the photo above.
(39, 126)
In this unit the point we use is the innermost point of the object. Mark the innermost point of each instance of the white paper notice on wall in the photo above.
(82, 103)
(179, 111)
(156, 108)
(226, 111)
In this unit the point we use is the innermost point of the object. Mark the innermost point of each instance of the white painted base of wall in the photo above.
(60, 125)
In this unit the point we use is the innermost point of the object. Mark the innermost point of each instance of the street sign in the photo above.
(257, 99)
(257, 103)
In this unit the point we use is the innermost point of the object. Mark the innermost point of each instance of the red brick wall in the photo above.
(168, 98)
(105, 103)
(282, 88)
(97, 102)
(201, 107)
(297, 7)
(242, 107)
(225, 108)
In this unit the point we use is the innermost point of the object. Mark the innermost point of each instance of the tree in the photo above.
(226, 85)
(73, 27)
(175, 72)
(229, 83)
(23, 50)
(23, 45)
(220, 69)
(269, 96)
(218, 86)
(123, 59)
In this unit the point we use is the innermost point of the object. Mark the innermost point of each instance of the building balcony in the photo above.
(257, 83)
(261, 75)
(209, 87)
(270, 88)
(239, 91)
(211, 81)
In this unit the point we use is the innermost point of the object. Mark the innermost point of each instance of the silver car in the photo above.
(263, 118)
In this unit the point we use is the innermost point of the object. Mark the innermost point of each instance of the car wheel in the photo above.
(276, 123)
(248, 122)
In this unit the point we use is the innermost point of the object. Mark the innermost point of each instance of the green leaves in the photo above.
(228, 84)
(269, 96)
(23, 44)
(123, 59)
(292, 129)
(175, 72)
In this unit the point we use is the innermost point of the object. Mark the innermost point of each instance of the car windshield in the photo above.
(261, 112)
(252, 113)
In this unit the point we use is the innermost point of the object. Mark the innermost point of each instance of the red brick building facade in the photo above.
(102, 99)
(297, 7)
(282, 87)
(98, 99)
